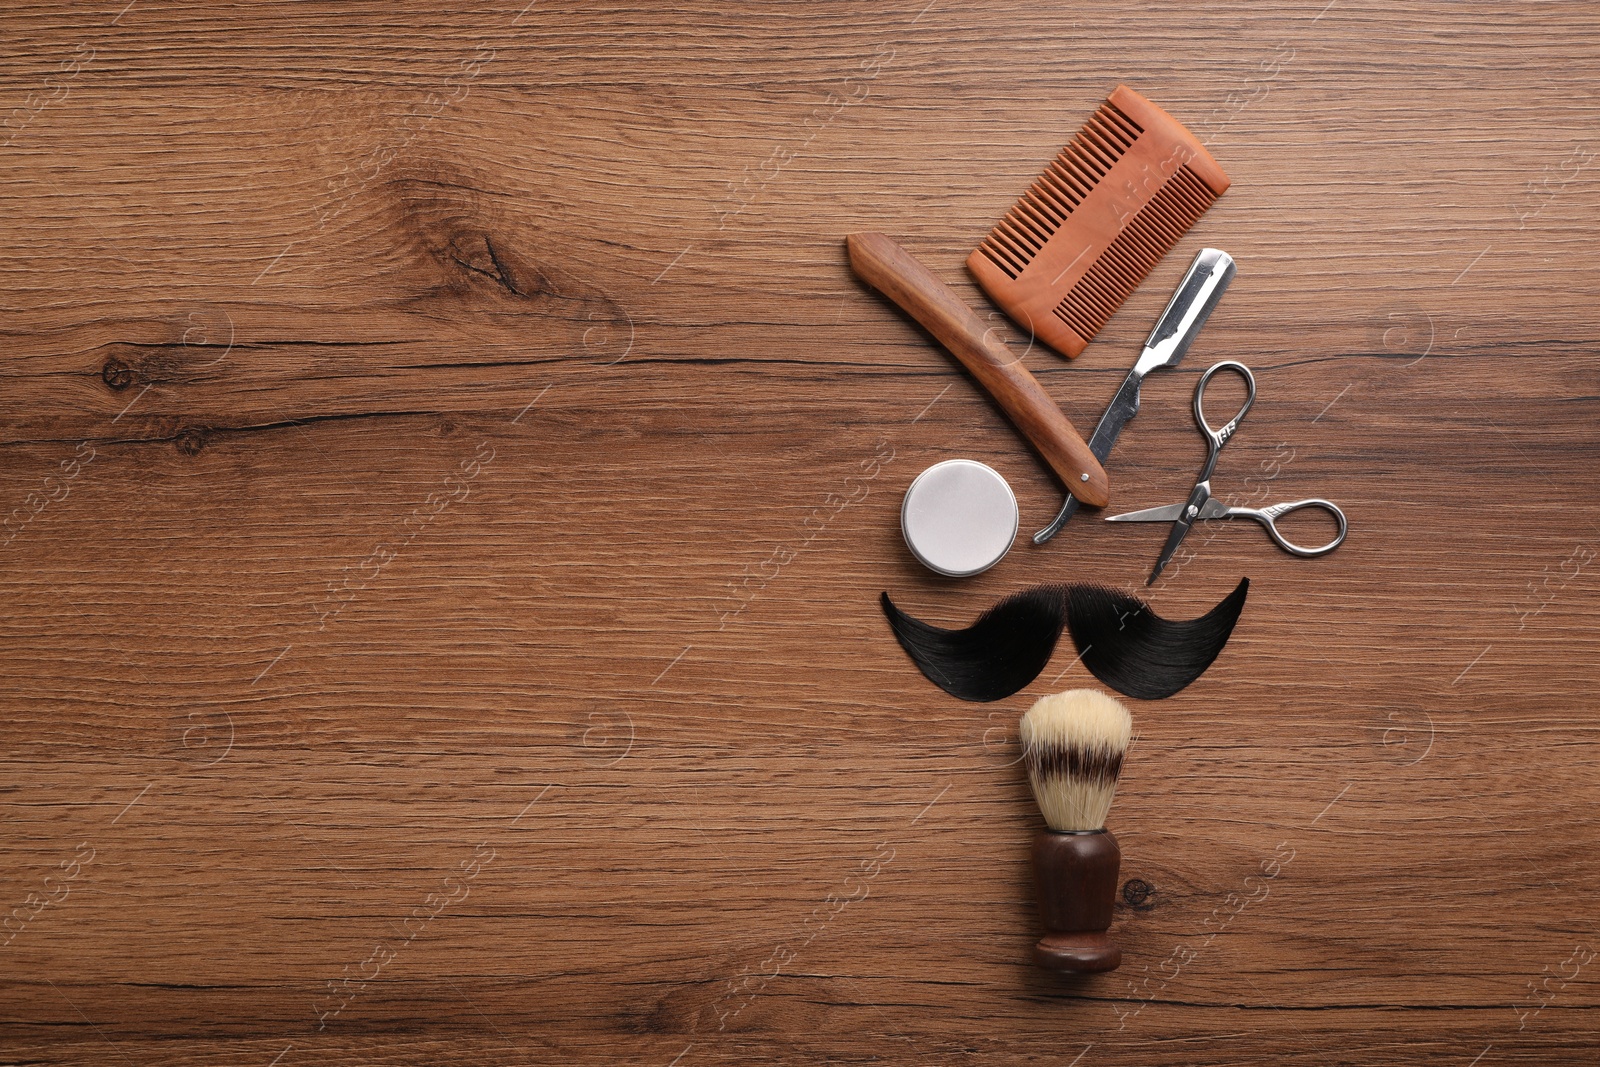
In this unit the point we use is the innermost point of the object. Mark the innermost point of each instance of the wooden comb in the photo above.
(1098, 219)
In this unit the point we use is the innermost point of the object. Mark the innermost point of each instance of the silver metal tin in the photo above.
(959, 517)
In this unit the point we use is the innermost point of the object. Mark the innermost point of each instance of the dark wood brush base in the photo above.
(1076, 878)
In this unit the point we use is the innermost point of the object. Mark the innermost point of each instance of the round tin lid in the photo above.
(959, 517)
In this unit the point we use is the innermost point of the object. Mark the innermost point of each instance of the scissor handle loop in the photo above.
(1269, 516)
(1219, 437)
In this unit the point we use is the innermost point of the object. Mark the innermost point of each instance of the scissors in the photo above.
(1201, 505)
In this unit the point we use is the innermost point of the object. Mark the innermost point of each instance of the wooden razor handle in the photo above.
(896, 274)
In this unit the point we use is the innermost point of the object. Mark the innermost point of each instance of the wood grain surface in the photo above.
(449, 471)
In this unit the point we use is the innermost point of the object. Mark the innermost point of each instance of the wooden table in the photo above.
(451, 471)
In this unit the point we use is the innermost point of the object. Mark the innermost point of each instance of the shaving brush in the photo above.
(1072, 746)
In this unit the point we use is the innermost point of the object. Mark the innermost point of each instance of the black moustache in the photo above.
(1120, 639)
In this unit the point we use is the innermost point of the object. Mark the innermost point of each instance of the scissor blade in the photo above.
(1170, 513)
(1198, 497)
(1180, 530)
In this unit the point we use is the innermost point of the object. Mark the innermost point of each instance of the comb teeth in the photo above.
(1076, 170)
(1103, 213)
(1134, 252)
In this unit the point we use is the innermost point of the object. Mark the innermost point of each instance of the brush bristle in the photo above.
(1072, 746)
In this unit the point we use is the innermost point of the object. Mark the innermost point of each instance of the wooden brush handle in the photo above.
(1076, 879)
(893, 271)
